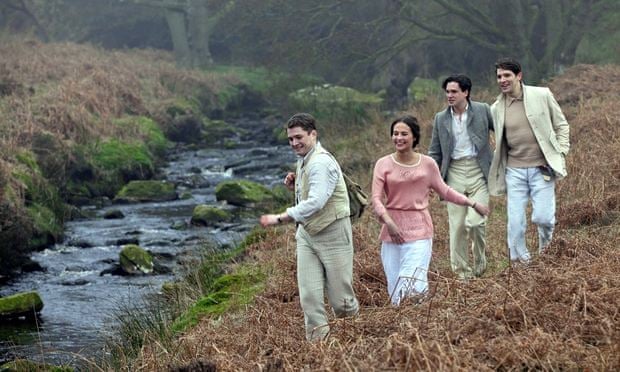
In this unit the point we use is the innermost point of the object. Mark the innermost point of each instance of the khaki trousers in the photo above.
(466, 225)
(325, 262)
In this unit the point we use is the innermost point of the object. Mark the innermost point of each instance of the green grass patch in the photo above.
(147, 129)
(228, 292)
(114, 155)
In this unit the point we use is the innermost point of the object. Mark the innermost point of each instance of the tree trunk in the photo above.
(200, 33)
(178, 32)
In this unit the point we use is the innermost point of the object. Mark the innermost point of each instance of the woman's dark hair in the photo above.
(412, 123)
(303, 120)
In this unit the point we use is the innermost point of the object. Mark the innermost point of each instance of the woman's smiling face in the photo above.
(402, 137)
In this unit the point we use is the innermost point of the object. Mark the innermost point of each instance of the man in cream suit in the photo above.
(532, 140)
(324, 237)
(460, 146)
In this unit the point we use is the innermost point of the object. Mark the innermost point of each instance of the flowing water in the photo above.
(79, 301)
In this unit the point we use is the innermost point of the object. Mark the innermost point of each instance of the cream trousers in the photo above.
(467, 227)
(325, 263)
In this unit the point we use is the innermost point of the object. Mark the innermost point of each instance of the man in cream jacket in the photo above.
(532, 140)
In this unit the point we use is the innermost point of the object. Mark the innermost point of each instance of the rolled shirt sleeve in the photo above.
(323, 175)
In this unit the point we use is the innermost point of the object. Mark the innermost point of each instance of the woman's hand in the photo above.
(482, 209)
(395, 232)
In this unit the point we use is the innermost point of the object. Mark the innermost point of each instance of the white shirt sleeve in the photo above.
(323, 175)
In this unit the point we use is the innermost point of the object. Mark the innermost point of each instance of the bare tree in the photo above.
(191, 24)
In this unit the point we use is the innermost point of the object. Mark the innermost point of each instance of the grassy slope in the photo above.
(561, 312)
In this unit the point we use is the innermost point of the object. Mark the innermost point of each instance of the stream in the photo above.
(79, 302)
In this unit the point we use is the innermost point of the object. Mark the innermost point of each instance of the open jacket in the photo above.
(479, 122)
(550, 129)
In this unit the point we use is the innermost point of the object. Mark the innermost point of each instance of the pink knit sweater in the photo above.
(402, 191)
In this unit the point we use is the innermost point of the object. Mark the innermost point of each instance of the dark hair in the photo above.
(508, 64)
(303, 120)
(463, 81)
(412, 123)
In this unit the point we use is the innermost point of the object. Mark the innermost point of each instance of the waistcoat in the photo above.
(336, 207)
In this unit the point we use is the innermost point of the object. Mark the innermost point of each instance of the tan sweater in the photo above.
(523, 149)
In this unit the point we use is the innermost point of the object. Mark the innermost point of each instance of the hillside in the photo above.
(78, 122)
(559, 313)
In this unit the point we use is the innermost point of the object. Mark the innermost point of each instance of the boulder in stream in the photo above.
(113, 214)
(206, 215)
(146, 191)
(243, 193)
(24, 304)
(136, 260)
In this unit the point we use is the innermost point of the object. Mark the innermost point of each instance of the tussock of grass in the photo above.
(559, 313)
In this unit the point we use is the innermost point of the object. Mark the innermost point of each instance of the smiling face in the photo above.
(508, 82)
(402, 137)
(301, 141)
(456, 97)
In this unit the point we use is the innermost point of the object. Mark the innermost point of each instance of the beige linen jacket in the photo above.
(550, 129)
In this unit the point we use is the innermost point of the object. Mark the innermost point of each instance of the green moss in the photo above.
(115, 155)
(209, 215)
(182, 106)
(133, 259)
(257, 235)
(229, 292)
(47, 228)
(153, 136)
(20, 304)
(242, 192)
(149, 190)
(28, 159)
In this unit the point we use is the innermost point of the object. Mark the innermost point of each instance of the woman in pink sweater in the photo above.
(401, 186)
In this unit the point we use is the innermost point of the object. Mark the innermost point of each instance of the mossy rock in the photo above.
(145, 191)
(243, 193)
(135, 260)
(22, 365)
(20, 304)
(219, 132)
(113, 214)
(206, 215)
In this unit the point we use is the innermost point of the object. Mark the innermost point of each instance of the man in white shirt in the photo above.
(460, 146)
(324, 236)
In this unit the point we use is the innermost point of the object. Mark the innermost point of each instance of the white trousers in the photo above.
(524, 184)
(406, 268)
